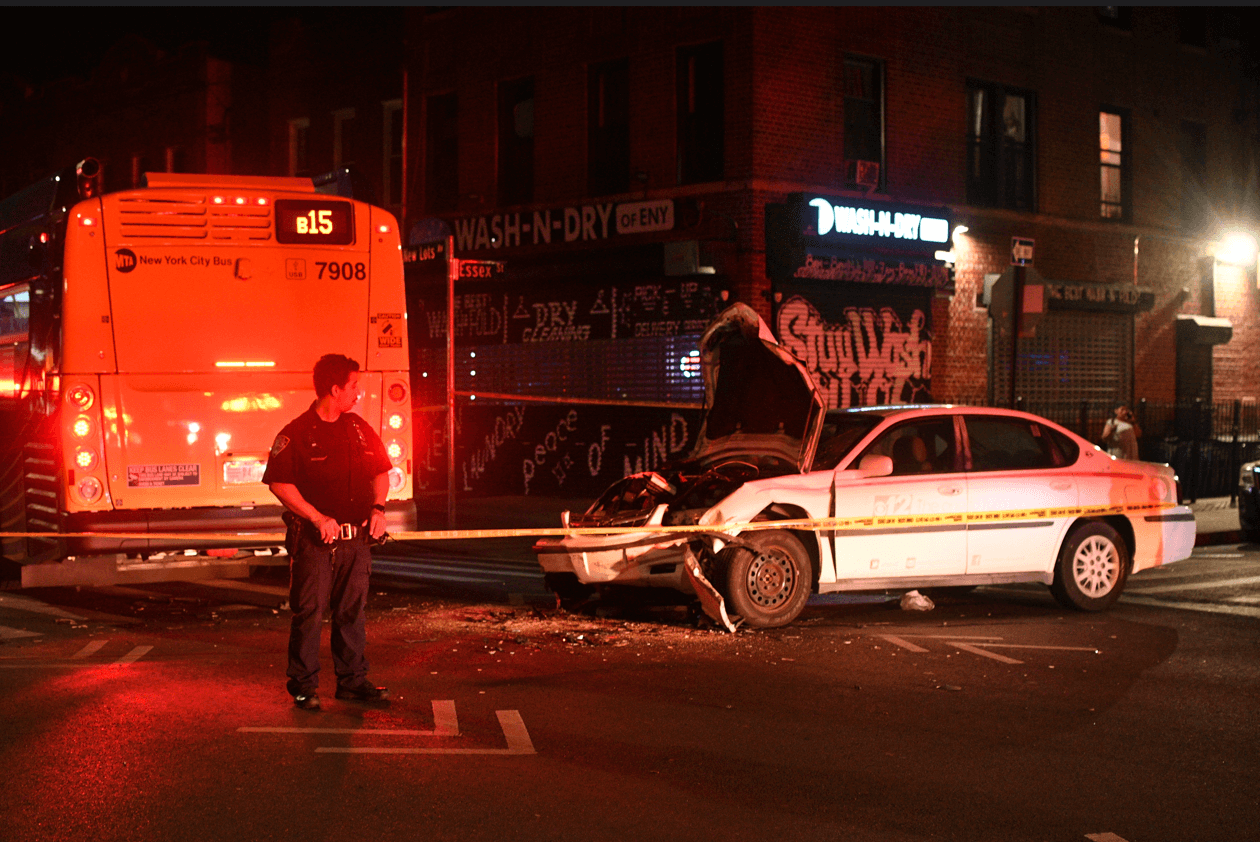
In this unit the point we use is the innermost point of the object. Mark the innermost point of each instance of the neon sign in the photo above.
(878, 223)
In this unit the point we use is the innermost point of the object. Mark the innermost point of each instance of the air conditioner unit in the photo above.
(862, 173)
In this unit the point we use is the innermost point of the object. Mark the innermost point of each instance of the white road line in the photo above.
(904, 644)
(231, 584)
(1193, 586)
(1218, 555)
(1036, 646)
(976, 650)
(1104, 837)
(133, 656)
(91, 649)
(445, 724)
(7, 633)
(1208, 607)
(34, 606)
(942, 636)
(518, 742)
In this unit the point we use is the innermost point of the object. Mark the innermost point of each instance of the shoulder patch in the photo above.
(280, 444)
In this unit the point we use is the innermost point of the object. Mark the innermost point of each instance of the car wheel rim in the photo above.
(1096, 566)
(771, 578)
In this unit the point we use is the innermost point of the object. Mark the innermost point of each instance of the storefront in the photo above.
(576, 348)
(853, 284)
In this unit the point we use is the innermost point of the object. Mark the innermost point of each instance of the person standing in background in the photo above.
(1121, 434)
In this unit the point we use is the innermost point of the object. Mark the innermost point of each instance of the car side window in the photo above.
(1010, 444)
(925, 446)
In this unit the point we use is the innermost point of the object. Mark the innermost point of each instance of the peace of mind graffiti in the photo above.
(869, 359)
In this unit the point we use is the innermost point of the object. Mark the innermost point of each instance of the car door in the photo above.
(927, 480)
(1014, 465)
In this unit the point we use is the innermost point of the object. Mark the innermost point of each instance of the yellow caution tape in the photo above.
(812, 524)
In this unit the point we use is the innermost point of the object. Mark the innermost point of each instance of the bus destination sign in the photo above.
(315, 222)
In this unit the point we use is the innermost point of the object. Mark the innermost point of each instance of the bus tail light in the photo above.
(396, 450)
(80, 397)
(82, 427)
(396, 421)
(85, 458)
(90, 489)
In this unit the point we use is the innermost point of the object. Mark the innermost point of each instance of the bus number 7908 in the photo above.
(337, 271)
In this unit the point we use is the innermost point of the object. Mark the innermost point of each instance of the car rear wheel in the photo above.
(1092, 569)
(768, 579)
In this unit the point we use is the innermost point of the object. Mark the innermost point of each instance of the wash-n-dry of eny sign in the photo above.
(559, 226)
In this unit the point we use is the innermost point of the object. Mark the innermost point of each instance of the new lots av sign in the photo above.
(842, 222)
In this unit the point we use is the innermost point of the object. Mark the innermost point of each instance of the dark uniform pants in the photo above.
(323, 576)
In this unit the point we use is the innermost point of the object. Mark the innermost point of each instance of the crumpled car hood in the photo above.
(759, 399)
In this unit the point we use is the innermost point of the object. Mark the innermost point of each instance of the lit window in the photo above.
(1111, 157)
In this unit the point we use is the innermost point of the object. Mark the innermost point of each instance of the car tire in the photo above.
(768, 578)
(1092, 569)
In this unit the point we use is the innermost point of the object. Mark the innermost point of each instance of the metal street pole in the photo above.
(452, 272)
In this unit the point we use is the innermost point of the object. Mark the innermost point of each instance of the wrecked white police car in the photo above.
(917, 496)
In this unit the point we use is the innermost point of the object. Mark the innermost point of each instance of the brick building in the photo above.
(858, 175)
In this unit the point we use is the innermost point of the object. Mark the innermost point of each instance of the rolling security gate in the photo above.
(1075, 355)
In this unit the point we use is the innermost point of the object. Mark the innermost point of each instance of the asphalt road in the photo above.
(158, 712)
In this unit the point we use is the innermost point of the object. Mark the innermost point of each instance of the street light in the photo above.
(1237, 248)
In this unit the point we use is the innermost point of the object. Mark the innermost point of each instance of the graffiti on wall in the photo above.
(869, 358)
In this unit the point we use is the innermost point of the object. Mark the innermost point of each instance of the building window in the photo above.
(1195, 208)
(1000, 147)
(701, 114)
(299, 130)
(1192, 26)
(1114, 169)
(139, 166)
(863, 123)
(176, 159)
(608, 128)
(516, 142)
(441, 154)
(1120, 17)
(392, 152)
(343, 137)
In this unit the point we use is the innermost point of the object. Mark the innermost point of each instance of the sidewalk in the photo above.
(1216, 522)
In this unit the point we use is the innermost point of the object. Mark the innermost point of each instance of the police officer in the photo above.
(329, 469)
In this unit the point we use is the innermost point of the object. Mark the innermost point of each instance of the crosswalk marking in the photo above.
(445, 724)
(133, 656)
(91, 649)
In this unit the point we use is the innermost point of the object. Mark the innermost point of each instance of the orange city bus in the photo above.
(154, 341)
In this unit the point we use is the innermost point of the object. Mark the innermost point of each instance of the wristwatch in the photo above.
(378, 507)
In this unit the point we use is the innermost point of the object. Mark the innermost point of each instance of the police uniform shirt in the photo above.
(331, 463)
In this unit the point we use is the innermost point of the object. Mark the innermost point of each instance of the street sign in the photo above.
(1021, 251)
(480, 269)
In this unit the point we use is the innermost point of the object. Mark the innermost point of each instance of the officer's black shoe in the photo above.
(306, 700)
(364, 692)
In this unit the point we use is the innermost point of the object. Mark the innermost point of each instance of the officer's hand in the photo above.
(376, 524)
(328, 531)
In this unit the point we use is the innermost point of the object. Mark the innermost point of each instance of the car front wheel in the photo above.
(1092, 569)
(768, 578)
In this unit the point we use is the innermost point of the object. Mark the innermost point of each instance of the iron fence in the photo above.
(1205, 442)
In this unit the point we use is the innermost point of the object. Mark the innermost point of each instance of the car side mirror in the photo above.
(875, 465)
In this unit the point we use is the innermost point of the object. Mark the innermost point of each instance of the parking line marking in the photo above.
(445, 724)
(976, 650)
(518, 742)
(133, 656)
(7, 633)
(1192, 586)
(904, 644)
(34, 606)
(1208, 607)
(1104, 837)
(91, 649)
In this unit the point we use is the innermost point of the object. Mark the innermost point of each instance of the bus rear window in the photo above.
(15, 308)
(314, 222)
